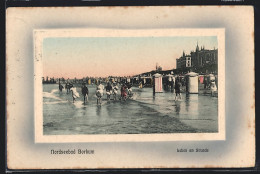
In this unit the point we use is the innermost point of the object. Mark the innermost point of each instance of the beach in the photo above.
(143, 114)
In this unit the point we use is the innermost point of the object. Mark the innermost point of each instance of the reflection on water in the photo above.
(109, 111)
(177, 108)
(145, 114)
(98, 110)
(191, 106)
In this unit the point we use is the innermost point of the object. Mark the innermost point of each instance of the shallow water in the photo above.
(144, 113)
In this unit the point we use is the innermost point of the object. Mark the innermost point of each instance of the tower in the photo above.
(197, 47)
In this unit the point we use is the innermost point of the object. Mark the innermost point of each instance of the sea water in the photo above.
(144, 113)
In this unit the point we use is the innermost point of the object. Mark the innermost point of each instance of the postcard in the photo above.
(115, 87)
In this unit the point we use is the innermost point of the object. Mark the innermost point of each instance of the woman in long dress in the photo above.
(75, 94)
(129, 90)
(99, 93)
(115, 88)
(213, 88)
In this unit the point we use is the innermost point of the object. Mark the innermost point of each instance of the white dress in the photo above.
(115, 88)
(213, 87)
(75, 94)
(99, 92)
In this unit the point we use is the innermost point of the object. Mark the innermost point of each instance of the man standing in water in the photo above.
(60, 87)
(108, 90)
(68, 86)
(84, 91)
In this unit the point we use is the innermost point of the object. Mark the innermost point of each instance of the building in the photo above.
(199, 58)
(184, 61)
(203, 57)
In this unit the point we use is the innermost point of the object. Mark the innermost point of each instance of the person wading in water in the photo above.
(99, 93)
(114, 91)
(108, 90)
(84, 91)
(60, 87)
(123, 92)
(74, 93)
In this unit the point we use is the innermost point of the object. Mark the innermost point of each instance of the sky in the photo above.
(115, 56)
